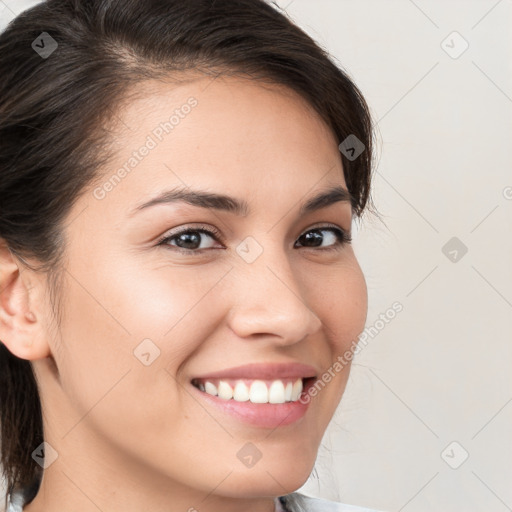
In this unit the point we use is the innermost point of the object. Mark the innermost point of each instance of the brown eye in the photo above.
(315, 238)
(190, 240)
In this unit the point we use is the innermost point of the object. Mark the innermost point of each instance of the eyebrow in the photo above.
(332, 195)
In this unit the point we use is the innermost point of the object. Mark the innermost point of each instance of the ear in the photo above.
(21, 313)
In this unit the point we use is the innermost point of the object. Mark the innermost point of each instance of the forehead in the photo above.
(213, 110)
(225, 134)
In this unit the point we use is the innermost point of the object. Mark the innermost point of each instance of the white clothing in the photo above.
(294, 502)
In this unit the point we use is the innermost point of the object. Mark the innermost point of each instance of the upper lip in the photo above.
(263, 371)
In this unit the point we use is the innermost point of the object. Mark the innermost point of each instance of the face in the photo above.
(145, 308)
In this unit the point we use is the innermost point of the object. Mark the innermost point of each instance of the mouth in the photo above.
(257, 403)
(255, 391)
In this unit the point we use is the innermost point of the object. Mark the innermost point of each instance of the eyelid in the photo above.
(325, 225)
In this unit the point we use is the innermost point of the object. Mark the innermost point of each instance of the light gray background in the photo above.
(439, 372)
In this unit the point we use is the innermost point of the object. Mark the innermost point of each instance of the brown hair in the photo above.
(56, 102)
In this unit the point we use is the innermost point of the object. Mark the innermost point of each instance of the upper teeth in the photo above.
(258, 392)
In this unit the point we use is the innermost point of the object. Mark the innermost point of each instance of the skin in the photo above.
(131, 437)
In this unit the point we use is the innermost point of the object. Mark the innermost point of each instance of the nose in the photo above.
(269, 301)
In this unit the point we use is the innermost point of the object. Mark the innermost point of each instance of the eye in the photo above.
(336, 238)
(190, 240)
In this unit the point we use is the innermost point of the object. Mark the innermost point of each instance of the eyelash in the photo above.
(343, 238)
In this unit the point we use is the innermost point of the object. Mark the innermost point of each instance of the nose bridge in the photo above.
(269, 299)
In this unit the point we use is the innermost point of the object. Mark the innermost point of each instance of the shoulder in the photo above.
(298, 502)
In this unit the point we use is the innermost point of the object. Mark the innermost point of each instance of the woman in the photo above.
(178, 184)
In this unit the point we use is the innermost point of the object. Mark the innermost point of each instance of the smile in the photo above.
(260, 403)
(276, 391)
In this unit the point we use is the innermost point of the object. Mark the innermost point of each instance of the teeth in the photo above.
(297, 389)
(276, 392)
(241, 392)
(225, 391)
(288, 391)
(210, 388)
(258, 392)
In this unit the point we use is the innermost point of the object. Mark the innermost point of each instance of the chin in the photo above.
(266, 482)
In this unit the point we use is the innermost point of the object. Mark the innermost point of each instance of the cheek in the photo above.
(153, 317)
(341, 301)
(113, 312)
(169, 304)
(338, 295)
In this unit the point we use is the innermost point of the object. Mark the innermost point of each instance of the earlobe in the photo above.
(20, 330)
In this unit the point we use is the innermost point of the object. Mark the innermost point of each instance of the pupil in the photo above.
(314, 236)
(190, 238)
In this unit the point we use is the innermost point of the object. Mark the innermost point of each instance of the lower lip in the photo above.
(261, 415)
